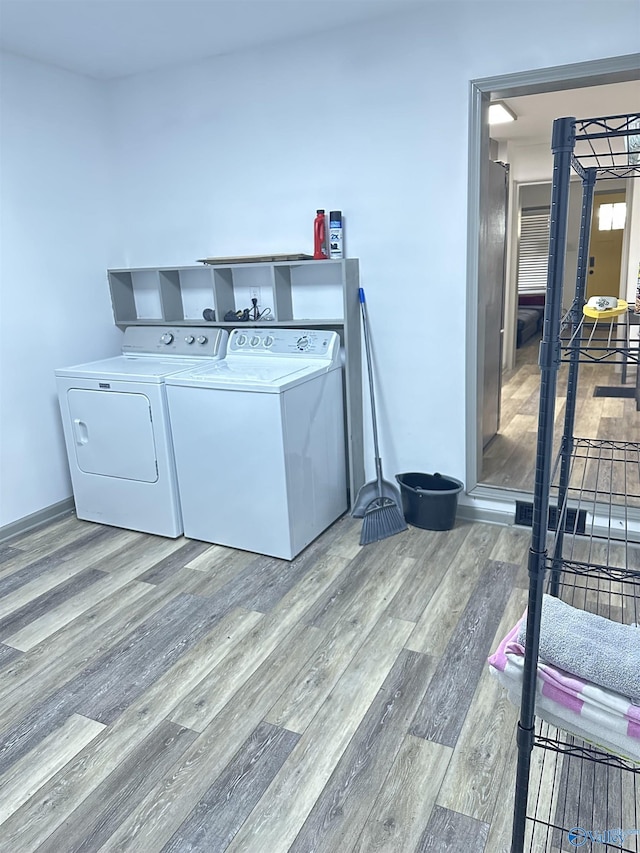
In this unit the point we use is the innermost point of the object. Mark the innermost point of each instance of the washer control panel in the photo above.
(304, 343)
(174, 340)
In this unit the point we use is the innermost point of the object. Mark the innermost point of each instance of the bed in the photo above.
(530, 319)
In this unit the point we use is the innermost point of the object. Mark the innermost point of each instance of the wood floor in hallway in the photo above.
(170, 695)
(509, 459)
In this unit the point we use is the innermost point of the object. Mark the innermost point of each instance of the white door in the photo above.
(113, 434)
(491, 294)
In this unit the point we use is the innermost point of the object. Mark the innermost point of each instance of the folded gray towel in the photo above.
(593, 648)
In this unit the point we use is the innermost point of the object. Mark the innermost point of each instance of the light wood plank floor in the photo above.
(509, 459)
(162, 695)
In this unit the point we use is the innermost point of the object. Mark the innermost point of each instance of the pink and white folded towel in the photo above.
(591, 647)
(594, 713)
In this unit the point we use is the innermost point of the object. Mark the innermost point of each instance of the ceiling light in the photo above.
(499, 113)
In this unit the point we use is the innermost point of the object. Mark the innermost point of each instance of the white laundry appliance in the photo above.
(259, 440)
(117, 432)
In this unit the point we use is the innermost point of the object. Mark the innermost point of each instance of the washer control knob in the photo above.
(268, 341)
(167, 338)
(303, 342)
(255, 340)
(202, 339)
(241, 340)
(189, 339)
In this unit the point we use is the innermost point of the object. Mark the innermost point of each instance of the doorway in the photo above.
(509, 461)
(605, 244)
(547, 82)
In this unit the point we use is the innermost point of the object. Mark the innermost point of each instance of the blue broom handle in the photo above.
(367, 347)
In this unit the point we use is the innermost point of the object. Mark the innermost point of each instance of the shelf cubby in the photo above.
(305, 294)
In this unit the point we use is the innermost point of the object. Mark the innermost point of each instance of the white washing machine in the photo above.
(260, 443)
(117, 432)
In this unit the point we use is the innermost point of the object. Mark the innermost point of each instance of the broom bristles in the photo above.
(382, 519)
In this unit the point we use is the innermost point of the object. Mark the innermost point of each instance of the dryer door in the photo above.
(113, 434)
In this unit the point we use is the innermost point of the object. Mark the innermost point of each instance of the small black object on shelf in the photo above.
(237, 316)
(209, 315)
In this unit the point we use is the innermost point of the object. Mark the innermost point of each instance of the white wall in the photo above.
(54, 224)
(235, 154)
(530, 164)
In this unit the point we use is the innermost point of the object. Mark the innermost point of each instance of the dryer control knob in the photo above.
(189, 339)
(202, 339)
(255, 340)
(241, 340)
(268, 341)
(167, 338)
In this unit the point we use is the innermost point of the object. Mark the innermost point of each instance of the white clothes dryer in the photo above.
(117, 432)
(259, 440)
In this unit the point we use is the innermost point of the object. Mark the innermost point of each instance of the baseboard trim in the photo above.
(468, 512)
(488, 505)
(36, 519)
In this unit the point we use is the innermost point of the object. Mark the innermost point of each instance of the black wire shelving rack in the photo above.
(569, 793)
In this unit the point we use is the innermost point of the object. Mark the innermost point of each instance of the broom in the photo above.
(382, 517)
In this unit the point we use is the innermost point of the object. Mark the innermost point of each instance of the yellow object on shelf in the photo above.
(621, 308)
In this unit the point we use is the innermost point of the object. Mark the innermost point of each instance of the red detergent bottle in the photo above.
(320, 237)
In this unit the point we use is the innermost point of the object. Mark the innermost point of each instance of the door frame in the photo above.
(618, 69)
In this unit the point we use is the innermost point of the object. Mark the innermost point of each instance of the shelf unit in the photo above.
(592, 560)
(305, 291)
(294, 294)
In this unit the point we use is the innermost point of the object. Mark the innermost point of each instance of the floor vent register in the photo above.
(574, 522)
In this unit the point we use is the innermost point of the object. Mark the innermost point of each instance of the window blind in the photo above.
(533, 250)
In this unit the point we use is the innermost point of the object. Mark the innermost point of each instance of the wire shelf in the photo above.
(592, 569)
(601, 589)
(570, 793)
(603, 493)
(610, 145)
(580, 796)
(598, 341)
(576, 786)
